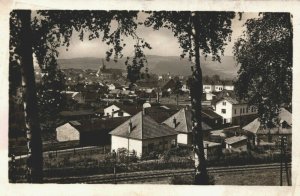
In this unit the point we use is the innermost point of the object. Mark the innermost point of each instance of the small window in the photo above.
(234, 111)
(240, 110)
(243, 110)
(223, 111)
(224, 102)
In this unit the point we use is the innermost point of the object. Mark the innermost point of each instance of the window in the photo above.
(234, 111)
(240, 110)
(224, 102)
(223, 111)
(243, 110)
(252, 109)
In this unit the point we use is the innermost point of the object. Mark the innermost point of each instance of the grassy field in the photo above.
(263, 177)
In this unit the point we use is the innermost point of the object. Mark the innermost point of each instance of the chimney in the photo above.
(175, 123)
(130, 127)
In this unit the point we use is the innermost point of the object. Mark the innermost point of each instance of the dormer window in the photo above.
(224, 102)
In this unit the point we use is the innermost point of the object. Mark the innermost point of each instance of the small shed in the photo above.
(236, 142)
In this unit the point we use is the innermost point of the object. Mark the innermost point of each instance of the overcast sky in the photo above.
(163, 42)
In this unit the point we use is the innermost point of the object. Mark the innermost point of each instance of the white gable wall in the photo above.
(67, 132)
(227, 106)
(109, 110)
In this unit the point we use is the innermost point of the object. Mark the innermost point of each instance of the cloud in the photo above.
(162, 41)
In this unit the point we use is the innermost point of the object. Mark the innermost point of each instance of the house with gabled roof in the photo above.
(260, 134)
(182, 123)
(233, 111)
(141, 134)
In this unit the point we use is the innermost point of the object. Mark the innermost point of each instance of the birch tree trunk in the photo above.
(33, 130)
(201, 176)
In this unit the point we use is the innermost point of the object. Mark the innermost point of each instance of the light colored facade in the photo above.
(218, 87)
(120, 113)
(209, 96)
(110, 110)
(67, 132)
(229, 87)
(230, 110)
(208, 88)
(142, 146)
(143, 135)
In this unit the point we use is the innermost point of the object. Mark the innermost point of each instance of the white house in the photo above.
(182, 123)
(108, 111)
(231, 110)
(208, 88)
(67, 132)
(218, 87)
(142, 134)
(209, 96)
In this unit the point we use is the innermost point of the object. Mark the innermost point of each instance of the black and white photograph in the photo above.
(150, 96)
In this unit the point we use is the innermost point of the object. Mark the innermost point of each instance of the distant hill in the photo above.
(160, 65)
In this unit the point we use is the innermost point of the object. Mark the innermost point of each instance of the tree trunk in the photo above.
(201, 176)
(33, 130)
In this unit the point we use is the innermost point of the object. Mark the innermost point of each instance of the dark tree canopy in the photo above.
(265, 53)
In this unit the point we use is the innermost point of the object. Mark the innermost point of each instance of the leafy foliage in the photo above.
(265, 53)
(215, 29)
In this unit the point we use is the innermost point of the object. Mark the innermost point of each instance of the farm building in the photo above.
(182, 123)
(212, 150)
(88, 132)
(142, 134)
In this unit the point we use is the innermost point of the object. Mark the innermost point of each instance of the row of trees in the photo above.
(199, 33)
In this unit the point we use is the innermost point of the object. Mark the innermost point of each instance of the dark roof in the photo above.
(283, 116)
(95, 125)
(184, 121)
(130, 109)
(209, 113)
(143, 127)
(76, 113)
(170, 84)
(235, 139)
(159, 113)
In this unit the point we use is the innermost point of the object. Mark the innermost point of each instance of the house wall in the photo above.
(227, 106)
(218, 88)
(229, 87)
(121, 142)
(182, 138)
(160, 144)
(67, 132)
(109, 110)
(143, 146)
(234, 111)
(118, 115)
(207, 88)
